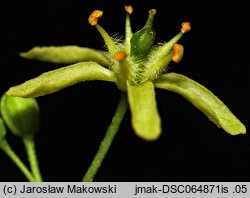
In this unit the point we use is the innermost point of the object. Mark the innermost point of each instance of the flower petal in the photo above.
(66, 54)
(145, 117)
(204, 100)
(55, 80)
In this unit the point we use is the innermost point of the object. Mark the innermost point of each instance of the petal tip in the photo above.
(149, 136)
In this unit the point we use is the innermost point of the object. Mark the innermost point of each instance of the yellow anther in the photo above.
(152, 12)
(186, 26)
(93, 18)
(129, 9)
(178, 51)
(120, 56)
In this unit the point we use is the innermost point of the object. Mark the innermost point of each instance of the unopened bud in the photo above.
(21, 115)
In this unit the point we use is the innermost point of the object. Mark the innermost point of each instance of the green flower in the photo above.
(137, 66)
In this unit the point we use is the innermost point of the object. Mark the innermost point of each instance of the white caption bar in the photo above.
(125, 189)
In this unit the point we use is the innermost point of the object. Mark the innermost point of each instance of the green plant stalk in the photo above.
(29, 144)
(17, 161)
(108, 139)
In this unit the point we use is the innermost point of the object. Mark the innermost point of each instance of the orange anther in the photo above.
(120, 56)
(129, 9)
(93, 18)
(178, 51)
(186, 26)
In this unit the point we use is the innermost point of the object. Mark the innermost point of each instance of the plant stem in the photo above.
(17, 161)
(29, 144)
(108, 139)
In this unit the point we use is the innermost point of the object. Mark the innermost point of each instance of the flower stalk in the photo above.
(108, 139)
(17, 161)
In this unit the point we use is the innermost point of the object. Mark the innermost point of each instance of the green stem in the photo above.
(12, 155)
(29, 144)
(108, 139)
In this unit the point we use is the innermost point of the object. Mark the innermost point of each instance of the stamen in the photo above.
(186, 26)
(93, 18)
(120, 56)
(129, 9)
(128, 30)
(178, 51)
(123, 70)
(165, 48)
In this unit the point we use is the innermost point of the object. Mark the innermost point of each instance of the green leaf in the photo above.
(58, 79)
(2, 131)
(21, 115)
(204, 100)
(145, 117)
(66, 55)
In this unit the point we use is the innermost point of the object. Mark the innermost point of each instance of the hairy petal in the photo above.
(204, 100)
(58, 79)
(145, 117)
(66, 54)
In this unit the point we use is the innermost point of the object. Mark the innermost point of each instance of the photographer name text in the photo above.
(70, 189)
